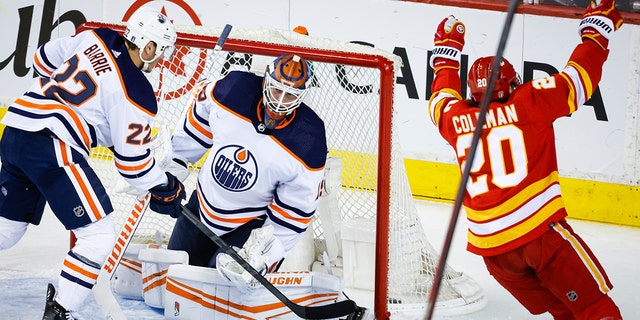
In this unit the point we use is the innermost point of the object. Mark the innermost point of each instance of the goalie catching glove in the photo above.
(167, 199)
(260, 247)
(448, 43)
(599, 22)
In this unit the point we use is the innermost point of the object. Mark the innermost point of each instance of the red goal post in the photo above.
(354, 94)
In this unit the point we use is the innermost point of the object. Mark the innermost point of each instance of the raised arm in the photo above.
(445, 61)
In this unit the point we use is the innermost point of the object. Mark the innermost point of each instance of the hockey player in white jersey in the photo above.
(91, 91)
(260, 185)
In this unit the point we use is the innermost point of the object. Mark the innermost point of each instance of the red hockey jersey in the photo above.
(513, 192)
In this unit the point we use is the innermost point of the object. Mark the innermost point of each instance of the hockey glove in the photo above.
(599, 22)
(166, 199)
(256, 252)
(448, 43)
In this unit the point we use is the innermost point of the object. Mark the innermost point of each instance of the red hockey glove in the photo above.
(448, 43)
(600, 21)
(166, 199)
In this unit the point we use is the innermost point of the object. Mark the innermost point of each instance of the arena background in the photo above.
(598, 147)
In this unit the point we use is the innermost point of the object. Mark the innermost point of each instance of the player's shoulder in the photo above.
(238, 91)
(140, 93)
(136, 85)
(308, 119)
(129, 81)
(108, 36)
(305, 137)
(88, 40)
(236, 81)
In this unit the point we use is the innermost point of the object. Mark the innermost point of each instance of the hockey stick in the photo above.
(219, 44)
(102, 289)
(437, 278)
(334, 310)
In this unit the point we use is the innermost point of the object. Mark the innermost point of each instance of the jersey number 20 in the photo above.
(503, 147)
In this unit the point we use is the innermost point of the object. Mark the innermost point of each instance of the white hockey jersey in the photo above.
(90, 93)
(275, 174)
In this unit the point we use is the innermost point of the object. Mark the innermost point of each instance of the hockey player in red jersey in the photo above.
(515, 212)
(91, 91)
(259, 187)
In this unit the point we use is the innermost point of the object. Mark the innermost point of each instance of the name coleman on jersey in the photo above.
(495, 117)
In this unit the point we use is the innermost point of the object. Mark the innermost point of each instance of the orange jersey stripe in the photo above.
(88, 274)
(133, 168)
(196, 125)
(79, 179)
(39, 63)
(288, 216)
(78, 123)
(213, 216)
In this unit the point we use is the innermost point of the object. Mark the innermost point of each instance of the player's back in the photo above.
(88, 82)
(513, 150)
(513, 187)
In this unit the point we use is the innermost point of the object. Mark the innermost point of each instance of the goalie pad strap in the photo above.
(161, 255)
(445, 52)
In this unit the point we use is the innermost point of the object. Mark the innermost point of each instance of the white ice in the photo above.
(26, 268)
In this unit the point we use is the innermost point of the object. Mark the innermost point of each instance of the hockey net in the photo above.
(352, 91)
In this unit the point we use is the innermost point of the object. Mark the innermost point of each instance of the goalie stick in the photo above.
(102, 289)
(337, 309)
(437, 278)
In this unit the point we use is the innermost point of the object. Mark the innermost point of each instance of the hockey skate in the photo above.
(53, 310)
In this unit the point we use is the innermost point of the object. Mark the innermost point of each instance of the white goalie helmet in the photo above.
(148, 24)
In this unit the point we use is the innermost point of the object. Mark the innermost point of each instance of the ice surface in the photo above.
(26, 269)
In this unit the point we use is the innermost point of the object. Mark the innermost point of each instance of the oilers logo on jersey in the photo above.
(234, 168)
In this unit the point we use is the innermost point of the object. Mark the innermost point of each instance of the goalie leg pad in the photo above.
(201, 293)
(155, 263)
(127, 280)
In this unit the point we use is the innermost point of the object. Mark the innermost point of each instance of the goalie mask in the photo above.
(284, 88)
(148, 24)
(480, 73)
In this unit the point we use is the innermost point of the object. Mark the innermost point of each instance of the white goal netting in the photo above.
(352, 92)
